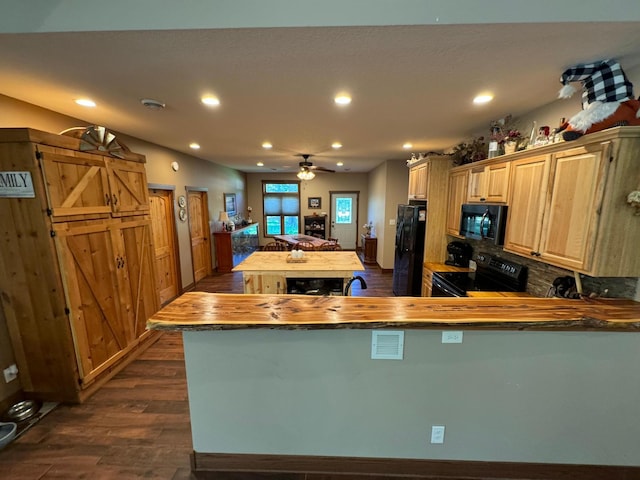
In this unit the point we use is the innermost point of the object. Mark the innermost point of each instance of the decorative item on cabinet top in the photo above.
(95, 138)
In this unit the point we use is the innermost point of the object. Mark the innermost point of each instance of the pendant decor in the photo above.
(97, 139)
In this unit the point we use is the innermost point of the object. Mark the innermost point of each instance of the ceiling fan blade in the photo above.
(321, 169)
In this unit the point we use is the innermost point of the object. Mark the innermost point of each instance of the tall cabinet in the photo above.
(78, 279)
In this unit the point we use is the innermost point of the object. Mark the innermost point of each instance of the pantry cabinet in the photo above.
(78, 263)
(567, 205)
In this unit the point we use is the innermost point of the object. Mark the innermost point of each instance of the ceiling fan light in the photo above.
(305, 174)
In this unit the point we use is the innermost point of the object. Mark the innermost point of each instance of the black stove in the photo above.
(493, 274)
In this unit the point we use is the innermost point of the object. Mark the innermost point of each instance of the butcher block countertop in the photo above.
(320, 263)
(217, 311)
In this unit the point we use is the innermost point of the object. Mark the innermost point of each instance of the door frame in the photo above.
(350, 192)
(171, 189)
(205, 190)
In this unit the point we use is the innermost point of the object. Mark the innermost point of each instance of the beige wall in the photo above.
(318, 187)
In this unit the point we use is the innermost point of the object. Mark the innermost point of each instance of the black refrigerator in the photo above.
(407, 265)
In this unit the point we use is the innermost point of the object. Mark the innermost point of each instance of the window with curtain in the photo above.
(281, 201)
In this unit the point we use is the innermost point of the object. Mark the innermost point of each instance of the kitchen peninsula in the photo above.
(287, 384)
(269, 272)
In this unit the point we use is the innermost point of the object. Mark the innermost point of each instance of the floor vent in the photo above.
(387, 345)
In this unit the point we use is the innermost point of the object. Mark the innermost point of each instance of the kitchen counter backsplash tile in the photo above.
(541, 275)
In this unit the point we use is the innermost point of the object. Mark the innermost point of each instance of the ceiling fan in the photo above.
(308, 166)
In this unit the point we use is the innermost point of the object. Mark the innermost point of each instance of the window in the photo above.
(344, 210)
(281, 208)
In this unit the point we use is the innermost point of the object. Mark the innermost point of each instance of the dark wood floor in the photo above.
(137, 425)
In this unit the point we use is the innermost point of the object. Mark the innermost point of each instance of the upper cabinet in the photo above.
(489, 183)
(567, 204)
(418, 175)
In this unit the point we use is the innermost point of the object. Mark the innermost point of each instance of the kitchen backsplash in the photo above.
(541, 275)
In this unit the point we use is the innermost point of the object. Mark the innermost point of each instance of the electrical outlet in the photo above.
(452, 336)
(437, 434)
(10, 373)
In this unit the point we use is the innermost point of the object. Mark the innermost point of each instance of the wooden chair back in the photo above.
(330, 246)
(275, 247)
(304, 246)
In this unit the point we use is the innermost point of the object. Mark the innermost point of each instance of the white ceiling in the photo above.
(408, 83)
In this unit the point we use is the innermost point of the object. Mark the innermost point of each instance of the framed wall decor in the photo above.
(315, 202)
(230, 204)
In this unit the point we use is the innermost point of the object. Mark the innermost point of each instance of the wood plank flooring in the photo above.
(137, 425)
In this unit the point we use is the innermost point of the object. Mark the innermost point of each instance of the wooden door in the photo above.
(529, 179)
(89, 264)
(571, 220)
(128, 184)
(199, 233)
(165, 244)
(457, 196)
(76, 184)
(137, 274)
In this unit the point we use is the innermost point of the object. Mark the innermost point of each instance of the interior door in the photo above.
(165, 244)
(199, 233)
(344, 218)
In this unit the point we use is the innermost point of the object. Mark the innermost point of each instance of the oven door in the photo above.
(440, 288)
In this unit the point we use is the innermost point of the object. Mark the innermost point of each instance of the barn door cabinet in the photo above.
(568, 208)
(77, 256)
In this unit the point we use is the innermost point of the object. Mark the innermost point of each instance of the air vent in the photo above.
(387, 345)
(152, 104)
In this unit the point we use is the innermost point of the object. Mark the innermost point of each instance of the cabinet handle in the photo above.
(483, 199)
(107, 199)
(536, 254)
(115, 199)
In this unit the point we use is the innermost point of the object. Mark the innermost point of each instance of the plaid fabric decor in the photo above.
(601, 81)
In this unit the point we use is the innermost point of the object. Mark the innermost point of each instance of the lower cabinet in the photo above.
(427, 281)
(369, 249)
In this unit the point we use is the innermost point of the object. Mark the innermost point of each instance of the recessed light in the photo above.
(194, 146)
(260, 164)
(336, 145)
(210, 101)
(85, 102)
(483, 98)
(267, 146)
(342, 99)
(339, 164)
(407, 145)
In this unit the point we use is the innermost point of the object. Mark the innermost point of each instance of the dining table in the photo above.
(292, 240)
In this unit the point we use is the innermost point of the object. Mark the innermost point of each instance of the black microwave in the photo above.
(483, 222)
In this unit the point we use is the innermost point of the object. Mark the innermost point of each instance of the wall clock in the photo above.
(182, 201)
(183, 215)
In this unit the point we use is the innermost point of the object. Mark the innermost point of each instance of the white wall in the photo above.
(558, 397)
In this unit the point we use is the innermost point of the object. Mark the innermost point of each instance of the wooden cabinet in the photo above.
(315, 226)
(458, 180)
(369, 249)
(568, 207)
(418, 188)
(427, 281)
(489, 183)
(233, 247)
(78, 263)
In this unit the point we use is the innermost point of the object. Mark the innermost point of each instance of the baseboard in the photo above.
(225, 466)
(386, 270)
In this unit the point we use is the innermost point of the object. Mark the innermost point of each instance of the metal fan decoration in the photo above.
(97, 139)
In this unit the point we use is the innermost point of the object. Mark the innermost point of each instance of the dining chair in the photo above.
(275, 247)
(304, 246)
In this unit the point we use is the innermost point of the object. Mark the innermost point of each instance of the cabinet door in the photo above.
(128, 184)
(571, 218)
(427, 282)
(497, 182)
(136, 276)
(76, 185)
(457, 196)
(418, 181)
(268, 284)
(89, 265)
(529, 179)
(477, 179)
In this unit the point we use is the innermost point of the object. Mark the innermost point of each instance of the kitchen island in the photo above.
(286, 383)
(270, 272)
